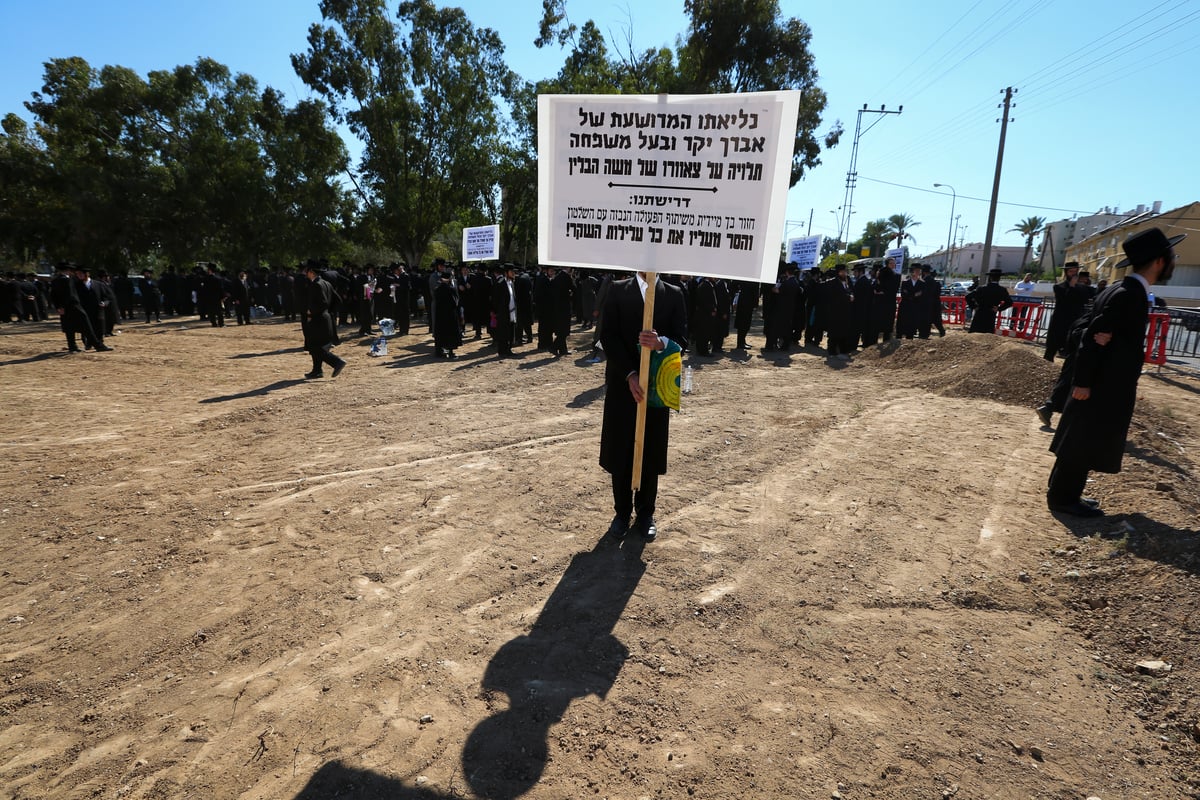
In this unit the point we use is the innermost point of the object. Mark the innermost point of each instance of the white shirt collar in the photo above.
(641, 284)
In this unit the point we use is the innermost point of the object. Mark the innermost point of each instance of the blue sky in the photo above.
(1105, 110)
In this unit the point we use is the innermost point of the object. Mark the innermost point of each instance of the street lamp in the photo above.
(950, 227)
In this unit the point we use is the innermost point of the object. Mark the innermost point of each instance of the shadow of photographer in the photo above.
(569, 653)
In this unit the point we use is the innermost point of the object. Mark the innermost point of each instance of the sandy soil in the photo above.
(222, 581)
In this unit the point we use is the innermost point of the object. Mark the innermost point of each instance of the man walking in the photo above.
(320, 307)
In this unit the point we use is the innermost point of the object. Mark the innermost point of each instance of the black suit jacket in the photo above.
(1093, 431)
(620, 324)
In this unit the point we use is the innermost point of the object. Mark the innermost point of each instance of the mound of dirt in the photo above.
(971, 366)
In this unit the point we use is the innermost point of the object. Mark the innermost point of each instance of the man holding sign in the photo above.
(693, 184)
(621, 334)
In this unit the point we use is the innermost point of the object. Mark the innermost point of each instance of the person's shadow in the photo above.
(569, 653)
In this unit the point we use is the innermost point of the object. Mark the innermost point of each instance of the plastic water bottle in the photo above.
(1150, 297)
(686, 383)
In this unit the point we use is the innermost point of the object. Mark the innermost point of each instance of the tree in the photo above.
(876, 235)
(421, 93)
(1029, 228)
(729, 46)
(745, 46)
(898, 225)
(187, 163)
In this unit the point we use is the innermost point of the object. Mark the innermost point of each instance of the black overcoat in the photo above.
(1093, 431)
(318, 312)
(621, 321)
(988, 301)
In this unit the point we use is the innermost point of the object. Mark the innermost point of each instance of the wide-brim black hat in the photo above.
(1145, 246)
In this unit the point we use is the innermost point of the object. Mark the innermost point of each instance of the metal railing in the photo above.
(1183, 333)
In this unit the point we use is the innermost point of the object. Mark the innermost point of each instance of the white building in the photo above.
(967, 259)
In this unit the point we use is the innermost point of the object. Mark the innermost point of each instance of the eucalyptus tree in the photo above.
(27, 210)
(88, 155)
(188, 163)
(421, 91)
(729, 46)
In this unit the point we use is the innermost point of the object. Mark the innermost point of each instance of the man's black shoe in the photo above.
(1090, 501)
(311, 375)
(1043, 412)
(103, 348)
(618, 528)
(1076, 509)
(646, 528)
(338, 369)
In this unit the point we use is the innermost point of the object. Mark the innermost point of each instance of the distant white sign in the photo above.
(898, 254)
(692, 184)
(804, 251)
(482, 243)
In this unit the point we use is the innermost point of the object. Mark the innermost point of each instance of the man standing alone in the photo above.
(1095, 421)
(621, 335)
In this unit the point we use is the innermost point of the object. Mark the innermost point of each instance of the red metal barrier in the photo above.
(954, 310)
(1156, 338)
(1021, 321)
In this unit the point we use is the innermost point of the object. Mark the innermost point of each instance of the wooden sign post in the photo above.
(639, 431)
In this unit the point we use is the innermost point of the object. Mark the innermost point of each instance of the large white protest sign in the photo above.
(693, 184)
(482, 243)
(897, 253)
(805, 251)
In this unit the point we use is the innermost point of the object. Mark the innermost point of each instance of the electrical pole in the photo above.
(991, 223)
(852, 173)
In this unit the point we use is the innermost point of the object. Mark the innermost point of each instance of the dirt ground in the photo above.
(222, 581)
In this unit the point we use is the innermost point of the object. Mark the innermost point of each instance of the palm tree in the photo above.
(1028, 228)
(875, 236)
(898, 225)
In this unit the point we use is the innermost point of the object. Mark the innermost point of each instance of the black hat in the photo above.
(996, 271)
(1071, 265)
(1145, 246)
(839, 267)
(1083, 273)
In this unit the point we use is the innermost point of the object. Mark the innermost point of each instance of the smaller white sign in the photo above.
(482, 243)
(898, 254)
(805, 251)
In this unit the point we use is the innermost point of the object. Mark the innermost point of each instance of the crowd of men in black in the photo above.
(802, 308)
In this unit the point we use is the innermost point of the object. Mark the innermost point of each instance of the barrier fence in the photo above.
(1172, 332)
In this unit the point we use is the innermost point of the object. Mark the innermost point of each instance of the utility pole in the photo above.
(852, 173)
(991, 223)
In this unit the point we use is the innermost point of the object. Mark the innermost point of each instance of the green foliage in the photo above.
(897, 228)
(1029, 228)
(729, 46)
(420, 91)
(197, 163)
(187, 164)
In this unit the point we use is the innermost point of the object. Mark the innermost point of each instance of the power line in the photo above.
(969, 197)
